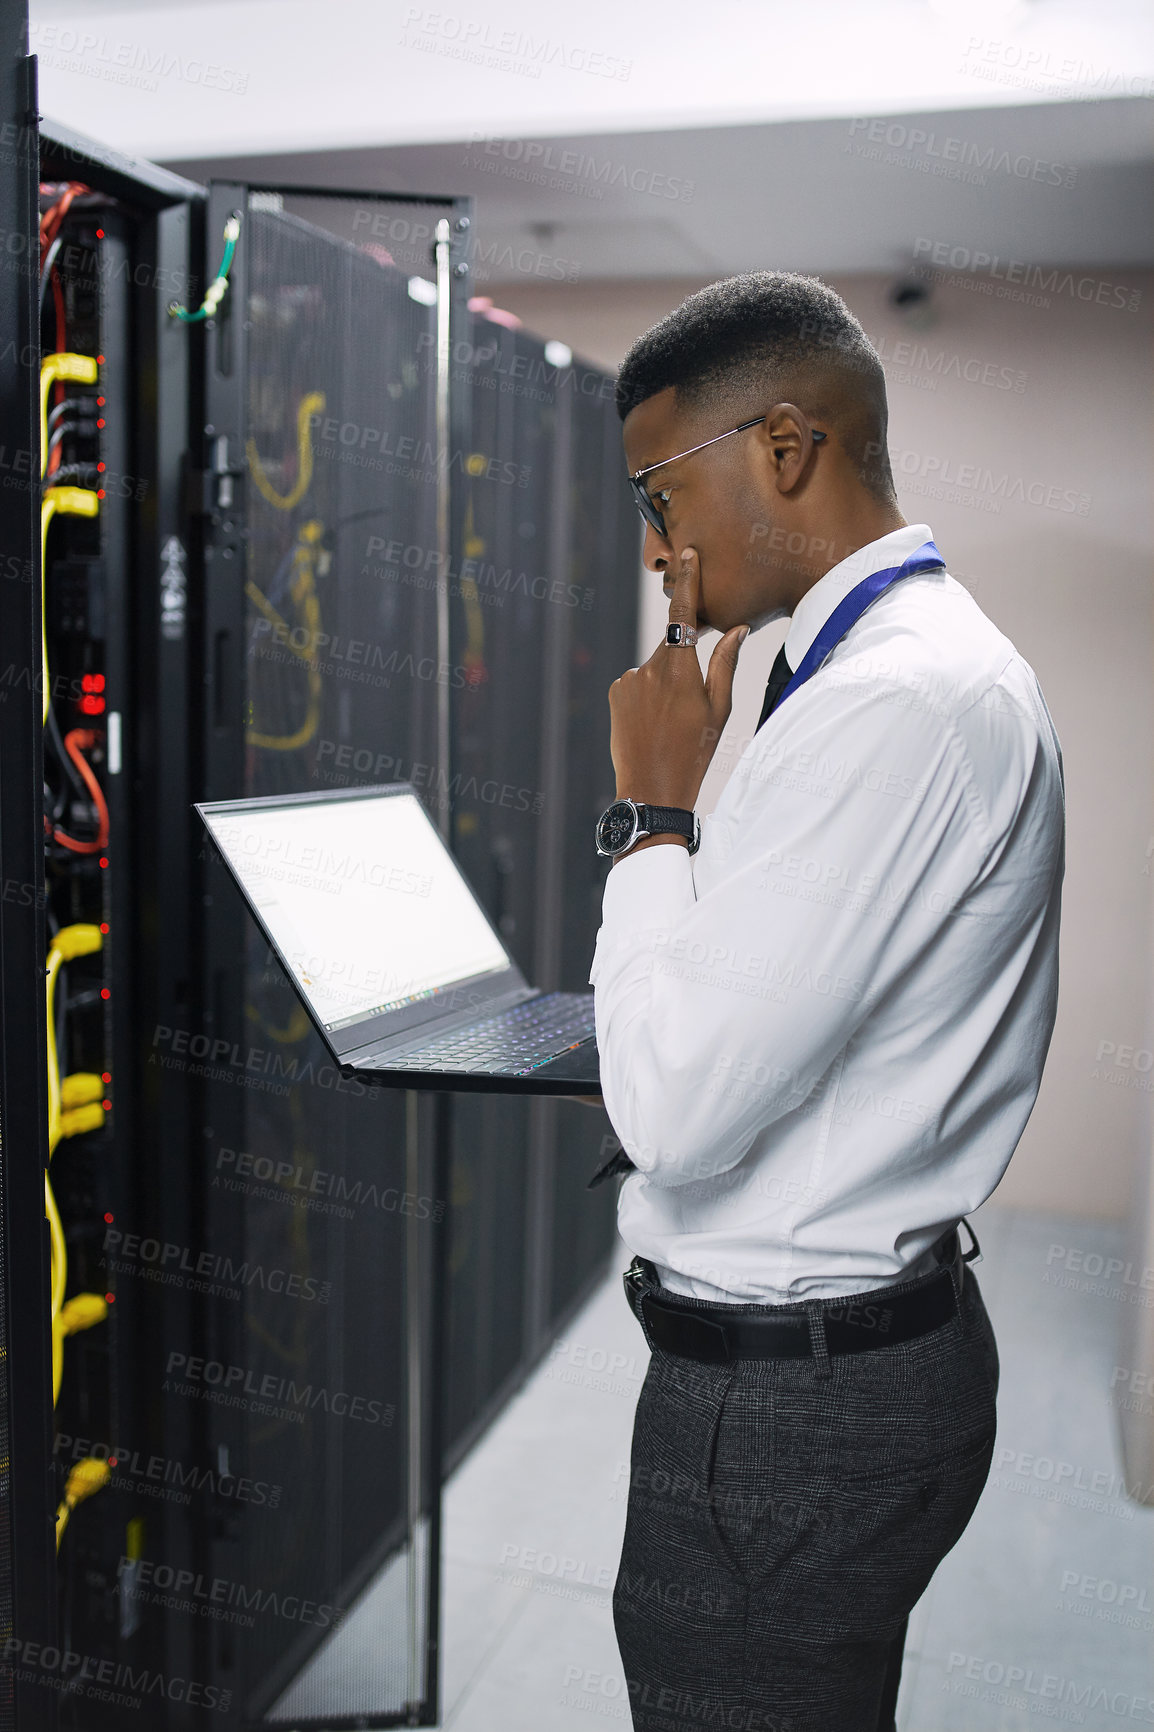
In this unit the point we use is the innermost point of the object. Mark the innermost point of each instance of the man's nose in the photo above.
(657, 552)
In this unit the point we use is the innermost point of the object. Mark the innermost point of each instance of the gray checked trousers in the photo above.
(784, 1517)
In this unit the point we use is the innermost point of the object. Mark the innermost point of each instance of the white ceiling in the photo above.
(791, 195)
(1017, 127)
(322, 74)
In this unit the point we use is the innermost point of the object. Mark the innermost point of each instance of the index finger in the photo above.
(683, 601)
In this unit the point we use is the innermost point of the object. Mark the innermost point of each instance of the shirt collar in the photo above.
(819, 601)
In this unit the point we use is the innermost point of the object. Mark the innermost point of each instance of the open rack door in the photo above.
(27, 1561)
(331, 419)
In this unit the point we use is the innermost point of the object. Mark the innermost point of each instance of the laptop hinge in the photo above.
(411, 1038)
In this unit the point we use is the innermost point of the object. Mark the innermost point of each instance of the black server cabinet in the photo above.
(547, 619)
(280, 593)
(321, 450)
(123, 243)
(27, 1565)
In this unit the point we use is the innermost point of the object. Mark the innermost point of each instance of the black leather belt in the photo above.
(711, 1333)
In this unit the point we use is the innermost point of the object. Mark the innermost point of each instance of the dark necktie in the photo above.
(780, 675)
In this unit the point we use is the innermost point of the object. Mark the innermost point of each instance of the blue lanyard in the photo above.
(852, 606)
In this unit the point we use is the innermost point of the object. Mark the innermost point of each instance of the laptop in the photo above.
(399, 967)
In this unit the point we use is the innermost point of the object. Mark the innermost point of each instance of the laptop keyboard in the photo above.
(509, 1043)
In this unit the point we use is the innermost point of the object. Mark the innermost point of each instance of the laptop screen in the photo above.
(362, 899)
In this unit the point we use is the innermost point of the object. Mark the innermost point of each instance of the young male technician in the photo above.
(822, 1029)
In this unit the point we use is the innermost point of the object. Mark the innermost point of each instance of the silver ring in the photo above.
(677, 633)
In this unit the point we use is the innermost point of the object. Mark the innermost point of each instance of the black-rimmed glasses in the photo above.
(648, 508)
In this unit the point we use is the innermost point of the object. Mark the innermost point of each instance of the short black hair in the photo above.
(781, 328)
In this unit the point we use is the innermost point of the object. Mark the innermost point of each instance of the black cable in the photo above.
(55, 739)
(58, 433)
(72, 472)
(85, 404)
(46, 269)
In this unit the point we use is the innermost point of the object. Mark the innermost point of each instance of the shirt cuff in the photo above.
(643, 893)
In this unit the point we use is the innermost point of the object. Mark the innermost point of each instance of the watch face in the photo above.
(615, 827)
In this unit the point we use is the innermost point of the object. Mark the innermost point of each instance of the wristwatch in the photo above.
(626, 822)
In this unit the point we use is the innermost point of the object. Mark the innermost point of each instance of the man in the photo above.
(822, 1029)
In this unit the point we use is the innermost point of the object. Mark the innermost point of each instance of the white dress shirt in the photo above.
(821, 1035)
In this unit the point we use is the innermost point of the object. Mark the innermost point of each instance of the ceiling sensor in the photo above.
(906, 294)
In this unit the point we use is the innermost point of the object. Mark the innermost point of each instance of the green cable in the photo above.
(215, 291)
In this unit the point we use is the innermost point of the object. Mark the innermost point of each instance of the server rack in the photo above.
(226, 1145)
(320, 431)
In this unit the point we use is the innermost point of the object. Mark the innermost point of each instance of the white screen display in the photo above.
(363, 899)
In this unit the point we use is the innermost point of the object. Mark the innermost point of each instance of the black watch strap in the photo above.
(666, 820)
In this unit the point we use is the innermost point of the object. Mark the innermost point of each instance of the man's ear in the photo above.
(790, 437)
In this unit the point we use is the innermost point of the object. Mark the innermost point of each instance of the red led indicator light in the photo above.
(104, 859)
(106, 1077)
(104, 928)
(100, 468)
(100, 402)
(100, 360)
(100, 420)
(100, 493)
(109, 1216)
(110, 1298)
(104, 992)
(107, 1105)
(100, 234)
(90, 705)
(92, 682)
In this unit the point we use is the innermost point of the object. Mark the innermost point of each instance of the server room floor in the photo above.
(534, 1519)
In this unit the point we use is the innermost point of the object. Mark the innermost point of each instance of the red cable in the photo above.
(74, 741)
(52, 218)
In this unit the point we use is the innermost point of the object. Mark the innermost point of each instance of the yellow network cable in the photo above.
(69, 502)
(474, 656)
(303, 590)
(77, 370)
(311, 404)
(81, 939)
(86, 1477)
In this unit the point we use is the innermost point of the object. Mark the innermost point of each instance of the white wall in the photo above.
(1075, 594)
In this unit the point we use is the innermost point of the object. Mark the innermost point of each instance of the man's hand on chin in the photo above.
(665, 716)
